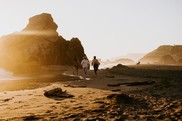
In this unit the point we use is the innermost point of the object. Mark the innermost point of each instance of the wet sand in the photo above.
(100, 98)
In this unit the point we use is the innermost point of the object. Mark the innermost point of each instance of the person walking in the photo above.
(76, 65)
(85, 65)
(95, 64)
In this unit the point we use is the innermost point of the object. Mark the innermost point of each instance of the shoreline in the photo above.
(93, 100)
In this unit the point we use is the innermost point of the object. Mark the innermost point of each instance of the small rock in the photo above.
(57, 92)
(110, 76)
(30, 118)
(116, 90)
(120, 98)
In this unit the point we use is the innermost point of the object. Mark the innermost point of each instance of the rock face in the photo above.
(38, 44)
(42, 22)
(166, 54)
(167, 59)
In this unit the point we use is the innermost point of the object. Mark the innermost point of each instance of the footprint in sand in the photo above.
(6, 100)
(18, 95)
(55, 116)
(19, 102)
(49, 111)
(40, 106)
(79, 107)
(54, 107)
(3, 104)
(58, 102)
(38, 95)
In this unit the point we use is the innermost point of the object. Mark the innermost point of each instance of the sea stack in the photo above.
(38, 43)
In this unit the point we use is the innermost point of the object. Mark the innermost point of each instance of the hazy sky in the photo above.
(106, 28)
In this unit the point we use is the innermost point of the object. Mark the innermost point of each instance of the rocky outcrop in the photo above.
(179, 62)
(166, 54)
(38, 44)
(123, 61)
(42, 22)
(167, 59)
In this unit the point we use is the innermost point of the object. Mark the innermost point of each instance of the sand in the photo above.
(98, 98)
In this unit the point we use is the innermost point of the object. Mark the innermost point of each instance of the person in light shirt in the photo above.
(85, 65)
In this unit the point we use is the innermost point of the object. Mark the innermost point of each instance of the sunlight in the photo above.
(49, 69)
(35, 32)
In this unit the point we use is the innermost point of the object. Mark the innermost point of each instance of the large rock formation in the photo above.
(166, 54)
(38, 44)
(124, 61)
(167, 59)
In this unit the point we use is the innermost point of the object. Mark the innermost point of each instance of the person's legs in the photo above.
(76, 68)
(95, 70)
(85, 72)
(77, 71)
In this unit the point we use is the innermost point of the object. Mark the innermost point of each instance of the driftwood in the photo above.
(113, 85)
(75, 86)
(140, 83)
(116, 90)
(57, 92)
(133, 83)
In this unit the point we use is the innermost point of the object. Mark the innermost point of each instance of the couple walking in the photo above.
(86, 65)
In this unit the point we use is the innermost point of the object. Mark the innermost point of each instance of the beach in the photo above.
(111, 96)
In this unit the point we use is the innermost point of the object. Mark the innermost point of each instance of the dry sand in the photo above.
(93, 100)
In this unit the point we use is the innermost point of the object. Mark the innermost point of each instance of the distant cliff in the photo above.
(166, 54)
(38, 44)
(124, 61)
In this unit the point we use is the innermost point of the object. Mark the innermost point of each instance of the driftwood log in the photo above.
(136, 83)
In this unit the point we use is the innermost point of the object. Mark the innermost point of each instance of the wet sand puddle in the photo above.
(33, 81)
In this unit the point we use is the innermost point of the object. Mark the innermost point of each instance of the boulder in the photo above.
(57, 92)
(38, 44)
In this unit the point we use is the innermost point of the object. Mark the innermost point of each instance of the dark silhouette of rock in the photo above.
(140, 83)
(30, 118)
(120, 98)
(57, 92)
(138, 63)
(121, 66)
(41, 22)
(174, 53)
(135, 83)
(38, 44)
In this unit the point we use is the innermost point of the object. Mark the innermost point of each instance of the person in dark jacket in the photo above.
(95, 64)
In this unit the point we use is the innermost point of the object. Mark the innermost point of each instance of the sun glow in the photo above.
(38, 33)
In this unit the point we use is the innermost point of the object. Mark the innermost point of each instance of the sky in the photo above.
(106, 28)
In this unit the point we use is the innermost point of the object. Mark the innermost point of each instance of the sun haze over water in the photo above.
(106, 28)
